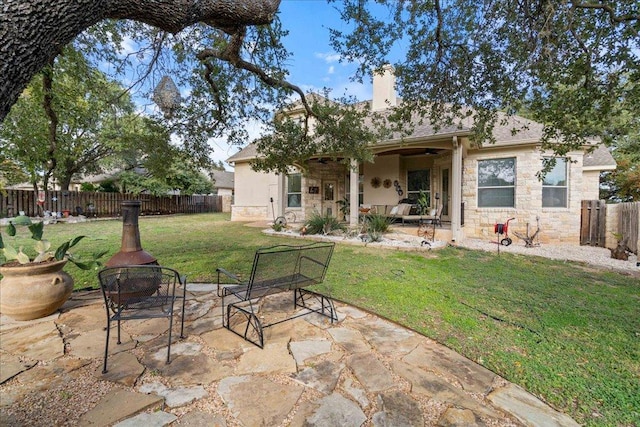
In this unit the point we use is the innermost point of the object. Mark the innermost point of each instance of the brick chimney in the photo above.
(384, 89)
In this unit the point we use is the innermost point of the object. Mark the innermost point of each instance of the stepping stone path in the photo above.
(359, 371)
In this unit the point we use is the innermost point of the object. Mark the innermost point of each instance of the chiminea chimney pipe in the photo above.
(131, 252)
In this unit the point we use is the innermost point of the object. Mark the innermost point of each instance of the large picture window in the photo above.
(294, 190)
(418, 180)
(496, 183)
(554, 185)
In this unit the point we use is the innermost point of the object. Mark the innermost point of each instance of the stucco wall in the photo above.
(557, 224)
(385, 167)
(252, 192)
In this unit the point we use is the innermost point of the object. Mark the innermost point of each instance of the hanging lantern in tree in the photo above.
(167, 96)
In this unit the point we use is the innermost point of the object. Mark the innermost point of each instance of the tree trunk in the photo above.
(32, 32)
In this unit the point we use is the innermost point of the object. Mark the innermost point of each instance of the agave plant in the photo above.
(323, 224)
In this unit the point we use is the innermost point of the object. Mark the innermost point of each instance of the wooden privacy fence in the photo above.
(624, 221)
(628, 224)
(593, 223)
(101, 204)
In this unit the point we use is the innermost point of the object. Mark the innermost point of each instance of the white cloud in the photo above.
(331, 70)
(129, 46)
(329, 57)
(222, 150)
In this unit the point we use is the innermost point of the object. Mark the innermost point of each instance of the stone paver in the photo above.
(436, 387)
(362, 370)
(322, 377)
(123, 368)
(154, 419)
(174, 397)
(39, 341)
(336, 410)
(12, 365)
(371, 373)
(201, 419)
(258, 401)
(529, 409)
(303, 350)
(118, 405)
(472, 377)
(350, 339)
(398, 410)
(273, 358)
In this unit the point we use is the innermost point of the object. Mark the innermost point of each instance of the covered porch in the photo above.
(399, 173)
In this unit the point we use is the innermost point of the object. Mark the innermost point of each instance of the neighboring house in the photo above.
(75, 184)
(223, 182)
(477, 186)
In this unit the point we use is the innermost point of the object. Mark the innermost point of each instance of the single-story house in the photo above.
(222, 182)
(476, 187)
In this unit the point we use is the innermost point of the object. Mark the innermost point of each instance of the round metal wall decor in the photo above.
(386, 183)
(375, 182)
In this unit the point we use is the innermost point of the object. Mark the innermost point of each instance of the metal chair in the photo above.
(140, 292)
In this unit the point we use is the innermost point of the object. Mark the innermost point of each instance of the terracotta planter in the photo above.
(32, 291)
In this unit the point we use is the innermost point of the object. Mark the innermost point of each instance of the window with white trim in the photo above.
(294, 190)
(497, 183)
(554, 185)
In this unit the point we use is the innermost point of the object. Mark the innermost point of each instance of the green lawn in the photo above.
(565, 332)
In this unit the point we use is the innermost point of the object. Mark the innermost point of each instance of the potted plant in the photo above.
(33, 283)
(344, 207)
(423, 203)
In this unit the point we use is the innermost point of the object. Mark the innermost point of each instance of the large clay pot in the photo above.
(32, 291)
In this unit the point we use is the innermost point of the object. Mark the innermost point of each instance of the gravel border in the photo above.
(591, 255)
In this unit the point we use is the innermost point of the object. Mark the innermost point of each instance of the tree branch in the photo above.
(231, 54)
(612, 13)
(33, 32)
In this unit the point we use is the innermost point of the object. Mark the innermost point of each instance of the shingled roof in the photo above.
(508, 131)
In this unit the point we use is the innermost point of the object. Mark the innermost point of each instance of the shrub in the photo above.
(323, 224)
(376, 223)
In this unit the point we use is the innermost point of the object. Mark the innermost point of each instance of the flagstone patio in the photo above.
(362, 370)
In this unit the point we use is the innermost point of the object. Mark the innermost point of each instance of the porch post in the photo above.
(456, 191)
(281, 204)
(353, 190)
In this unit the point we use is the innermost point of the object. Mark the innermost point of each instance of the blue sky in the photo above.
(314, 65)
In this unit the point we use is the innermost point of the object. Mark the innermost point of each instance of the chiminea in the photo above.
(131, 252)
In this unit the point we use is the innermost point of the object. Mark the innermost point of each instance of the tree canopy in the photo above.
(571, 64)
(73, 121)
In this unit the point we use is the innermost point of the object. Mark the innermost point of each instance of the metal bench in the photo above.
(275, 269)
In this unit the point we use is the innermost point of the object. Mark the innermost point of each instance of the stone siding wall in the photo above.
(249, 213)
(317, 174)
(226, 203)
(556, 224)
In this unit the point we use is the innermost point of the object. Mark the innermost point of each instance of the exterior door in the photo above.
(329, 198)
